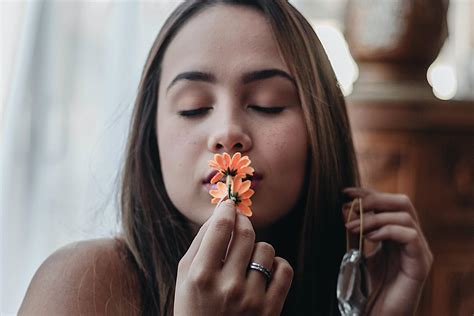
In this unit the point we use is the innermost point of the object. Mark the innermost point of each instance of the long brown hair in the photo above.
(155, 232)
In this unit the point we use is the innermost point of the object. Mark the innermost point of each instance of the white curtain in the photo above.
(65, 123)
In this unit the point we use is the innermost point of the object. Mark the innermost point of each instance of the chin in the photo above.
(262, 220)
(198, 215)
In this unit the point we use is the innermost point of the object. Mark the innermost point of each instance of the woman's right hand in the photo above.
(213, 276)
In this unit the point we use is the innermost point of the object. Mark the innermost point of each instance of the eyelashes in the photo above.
(195, 112)
(267, 110)
(257, 108)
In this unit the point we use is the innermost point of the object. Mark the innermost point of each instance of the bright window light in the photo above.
(442, 78)
(337, 50)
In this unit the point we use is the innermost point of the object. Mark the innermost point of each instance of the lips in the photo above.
(256, 179)
(209, 177)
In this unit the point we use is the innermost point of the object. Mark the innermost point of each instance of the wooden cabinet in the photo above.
(425, 149)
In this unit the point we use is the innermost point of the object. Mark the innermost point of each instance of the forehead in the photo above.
(226, 40)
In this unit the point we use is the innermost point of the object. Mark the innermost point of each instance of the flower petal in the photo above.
(217, 193)
(235, 160)
(246, 195)
(247, 170)
(240, 176)
(244, 187)
(244, 162)
(215, 200)
(246, 202)
(244, 210)
(220, 192)
(227, 160)
(222, 187)
(220, 160)
(213, 164)
(216, 178)
(237, 183)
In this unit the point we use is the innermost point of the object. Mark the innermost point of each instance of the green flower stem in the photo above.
(228, 182)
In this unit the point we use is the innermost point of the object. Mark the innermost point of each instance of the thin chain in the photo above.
(361, 233)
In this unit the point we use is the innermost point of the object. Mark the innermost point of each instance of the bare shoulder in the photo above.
(87, 277)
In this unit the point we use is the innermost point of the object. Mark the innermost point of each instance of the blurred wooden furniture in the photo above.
(425, 148)
(395, 40)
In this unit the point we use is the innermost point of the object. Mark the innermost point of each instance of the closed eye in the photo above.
(267, 110)
(195, 112)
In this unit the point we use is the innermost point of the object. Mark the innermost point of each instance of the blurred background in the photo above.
(69, 74)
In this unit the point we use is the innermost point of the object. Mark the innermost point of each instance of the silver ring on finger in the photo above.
(258, 267)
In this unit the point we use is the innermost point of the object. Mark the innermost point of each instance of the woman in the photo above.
(250, 77)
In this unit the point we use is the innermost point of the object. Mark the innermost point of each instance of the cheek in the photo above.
(176, 146)
(175, 142)
(284, 155)
(288, 147)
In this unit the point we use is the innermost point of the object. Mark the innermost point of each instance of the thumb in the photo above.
(194, 247)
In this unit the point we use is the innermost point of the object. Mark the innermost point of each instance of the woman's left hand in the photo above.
(392, 220)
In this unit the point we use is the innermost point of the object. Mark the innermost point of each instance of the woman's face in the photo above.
(224, 67)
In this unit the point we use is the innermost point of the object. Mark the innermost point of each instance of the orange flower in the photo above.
(220, 193)
(241, 194)
(236, 167)
(239, 191)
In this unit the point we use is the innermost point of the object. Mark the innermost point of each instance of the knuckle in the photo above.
(369, 199)
(182, 264)
(200, 278)
(412, 236)
(246, 233)
(203, 227)
(265, 248)
(233, 291)
(224, 224)
(286, 270)
(372, 220)
(386, 230)
(253, 304)
(407, 219)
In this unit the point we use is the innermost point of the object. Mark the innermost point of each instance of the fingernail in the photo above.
(221, 202)
(229, 202)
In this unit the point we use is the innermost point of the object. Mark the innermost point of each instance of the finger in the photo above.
(241, 247)
(373, 221)
(193, 248)
(381, 202)
(355, 214)
(387, 202)
(416, 251)
(417, 257)
(279, 285)
(263, 254)
(357, 192)
(408, 237)
(353, 239)
(216, 239)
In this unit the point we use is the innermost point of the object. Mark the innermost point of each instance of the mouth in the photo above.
(256, 180)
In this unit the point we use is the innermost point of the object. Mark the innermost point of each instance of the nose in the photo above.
(229, 135)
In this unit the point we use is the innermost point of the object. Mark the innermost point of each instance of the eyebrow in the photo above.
(246, 79)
